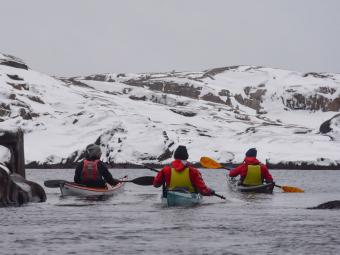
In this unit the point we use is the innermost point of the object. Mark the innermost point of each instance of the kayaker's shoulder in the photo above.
(102, 165)
(166, 169)
(263, 165)
(193, 169)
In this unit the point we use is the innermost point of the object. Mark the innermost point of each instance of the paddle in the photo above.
(155, 170)
(144, 180)
(210, 163)
(54, 183)
(289, 188)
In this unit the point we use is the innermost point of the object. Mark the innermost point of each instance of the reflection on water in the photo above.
(135, 222)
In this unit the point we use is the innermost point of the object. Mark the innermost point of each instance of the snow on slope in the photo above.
(144, 117)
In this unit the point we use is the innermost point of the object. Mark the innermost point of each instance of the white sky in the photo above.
(73, 37)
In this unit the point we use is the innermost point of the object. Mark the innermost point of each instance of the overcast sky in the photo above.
(73, 37)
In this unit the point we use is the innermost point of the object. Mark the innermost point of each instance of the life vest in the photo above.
(90, 171)
(254, 176)
(181, 180)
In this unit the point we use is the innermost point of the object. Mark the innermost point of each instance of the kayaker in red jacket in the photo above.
(92, 172)
(251, 171)
(180, 174)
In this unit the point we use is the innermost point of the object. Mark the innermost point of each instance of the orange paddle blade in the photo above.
(291, 189)
(209, 163)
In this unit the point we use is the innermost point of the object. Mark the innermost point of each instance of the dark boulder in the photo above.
(328, 205)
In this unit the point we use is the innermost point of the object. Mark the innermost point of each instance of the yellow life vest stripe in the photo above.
(254, 176)
(181, 179)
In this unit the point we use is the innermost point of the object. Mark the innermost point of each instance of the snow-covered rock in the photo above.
(143, 117)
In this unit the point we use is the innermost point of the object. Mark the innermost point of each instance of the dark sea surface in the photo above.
(135, 222)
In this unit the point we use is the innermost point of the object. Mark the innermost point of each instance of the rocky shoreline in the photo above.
(286, 165)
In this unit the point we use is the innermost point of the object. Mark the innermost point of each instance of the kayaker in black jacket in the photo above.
(92, 172)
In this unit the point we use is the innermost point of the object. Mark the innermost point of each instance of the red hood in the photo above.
(251, 161)
(178, 165)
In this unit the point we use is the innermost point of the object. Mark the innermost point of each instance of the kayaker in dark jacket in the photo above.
(252, 171)
(92, 172)
(180, 174)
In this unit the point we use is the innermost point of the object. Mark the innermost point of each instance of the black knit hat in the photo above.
(181, 153)
(251, 153)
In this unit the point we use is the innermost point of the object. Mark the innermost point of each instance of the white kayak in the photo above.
(181, 197)
(74, 189)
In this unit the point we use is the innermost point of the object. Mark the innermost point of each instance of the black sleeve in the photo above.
(77, 174)
(106, 174)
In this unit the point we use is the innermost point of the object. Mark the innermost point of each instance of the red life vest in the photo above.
(90, 171)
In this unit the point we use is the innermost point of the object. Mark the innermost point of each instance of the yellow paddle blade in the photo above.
(209, 163)
(291, 189)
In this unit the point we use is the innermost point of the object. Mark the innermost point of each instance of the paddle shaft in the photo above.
(54, 183)
(220, 196)
(151, 168)
(144, 180)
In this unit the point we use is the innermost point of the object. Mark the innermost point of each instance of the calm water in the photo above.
(134, 222)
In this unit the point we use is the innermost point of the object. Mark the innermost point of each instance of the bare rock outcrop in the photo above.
(315, 102)
(253, 98)
(168, 87)
(12, 61)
